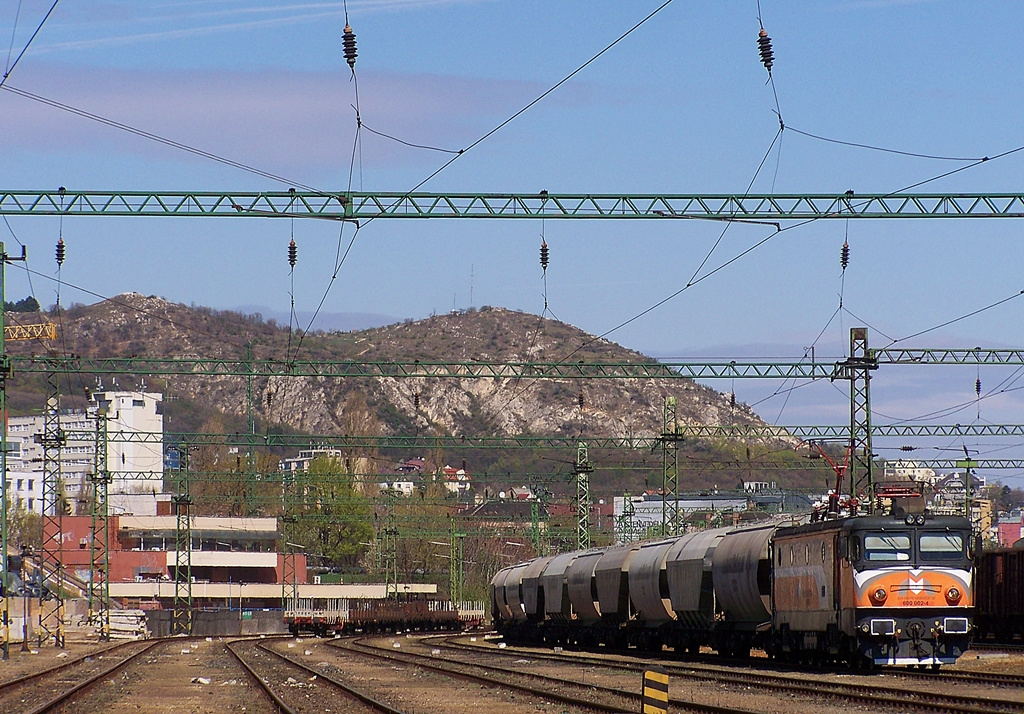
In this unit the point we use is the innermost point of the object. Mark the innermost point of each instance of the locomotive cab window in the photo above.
(887, 547)
(942, 546)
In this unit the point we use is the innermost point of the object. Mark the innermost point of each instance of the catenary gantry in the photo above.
(360, 206)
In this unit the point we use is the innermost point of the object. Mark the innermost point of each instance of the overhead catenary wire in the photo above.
(14, 34)
(10, 65)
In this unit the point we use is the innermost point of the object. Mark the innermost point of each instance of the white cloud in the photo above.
(296, 123)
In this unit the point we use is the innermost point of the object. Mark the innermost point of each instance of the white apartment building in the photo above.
(134, 454)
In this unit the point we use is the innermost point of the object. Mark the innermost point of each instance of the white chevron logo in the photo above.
(916, 586)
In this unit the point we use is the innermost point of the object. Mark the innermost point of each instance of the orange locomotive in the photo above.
(883, 590)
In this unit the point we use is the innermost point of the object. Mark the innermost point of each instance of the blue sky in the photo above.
(681, 105)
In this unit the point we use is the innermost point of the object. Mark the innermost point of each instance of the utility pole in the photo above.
(627, 522)
(289, 538)
(968, 466)
(390, 534)
(670, 470)
(99, 546)
(181, 618)
(583, 468)
(250, 457)
(857, 369)
(51, 618)
(456, 567)
(5, 373)
(537, 534)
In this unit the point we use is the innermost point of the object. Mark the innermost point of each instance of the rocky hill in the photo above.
(135, 325)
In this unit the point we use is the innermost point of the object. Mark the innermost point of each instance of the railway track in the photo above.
(585, 696)
(864, 694)
(291, 695)
(46, 690)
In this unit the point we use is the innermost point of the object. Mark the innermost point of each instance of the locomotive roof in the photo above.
(861, 523)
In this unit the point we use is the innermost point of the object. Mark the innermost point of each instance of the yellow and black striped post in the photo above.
(655, 691)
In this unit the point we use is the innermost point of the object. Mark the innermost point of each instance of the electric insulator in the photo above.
(463, 464)
(907, 448)
(293, 253)
(270, 399)
(844, 255)
(732, 399)
(348, 42)
(764, 43)
(977, 386)
(544, 255)
(60, 252)
(580, 400)
(416, 400)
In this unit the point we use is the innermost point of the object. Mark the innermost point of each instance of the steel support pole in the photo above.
(99, 546)
(51, 616)
(583, 468)
(670, 470)
(5, 644)
(857, 369)
(390, 545)
(181, 618)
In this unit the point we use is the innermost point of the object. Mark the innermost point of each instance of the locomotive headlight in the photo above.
(879, 595)
(909, 520)
(954, 594)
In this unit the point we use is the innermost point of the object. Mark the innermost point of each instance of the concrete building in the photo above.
(134, 454)
(226, 552)
(306, 457)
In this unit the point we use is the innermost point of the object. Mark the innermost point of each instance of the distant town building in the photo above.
(134, 452)
(307, 457)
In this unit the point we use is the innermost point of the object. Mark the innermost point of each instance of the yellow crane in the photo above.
(38, 331)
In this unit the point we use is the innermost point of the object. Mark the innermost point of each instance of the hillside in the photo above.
(136, 325)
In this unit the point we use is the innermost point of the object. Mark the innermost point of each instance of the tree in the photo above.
(24, 527)
(332, 518)
(29, 304)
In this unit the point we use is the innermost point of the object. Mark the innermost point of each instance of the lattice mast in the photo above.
(99, 543)
(857, 369)
(53, 438)
(456, 566)
(181, 617)
(583, 468)
(670, 522)
(390, 544)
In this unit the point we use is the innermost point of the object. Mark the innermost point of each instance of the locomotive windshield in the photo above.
(942, 546)
(887, 547)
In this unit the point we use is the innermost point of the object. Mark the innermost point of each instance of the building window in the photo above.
(31, 484)
(20, 482)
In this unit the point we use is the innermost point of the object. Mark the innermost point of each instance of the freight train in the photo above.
(326, 617)
(867, 590)
(1000, 594)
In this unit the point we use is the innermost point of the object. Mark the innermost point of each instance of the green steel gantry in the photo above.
(362, 206)
(734, 369)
